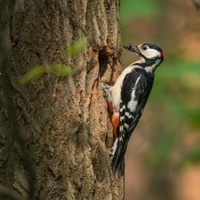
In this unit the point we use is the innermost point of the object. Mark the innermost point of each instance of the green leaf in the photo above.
(61, 70)
(41, 69)
(77, 47)
(32, 75)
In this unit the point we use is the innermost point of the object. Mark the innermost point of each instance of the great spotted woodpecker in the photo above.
(128, 96)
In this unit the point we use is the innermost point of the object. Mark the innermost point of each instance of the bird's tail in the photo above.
(117, 152)
(117, 159)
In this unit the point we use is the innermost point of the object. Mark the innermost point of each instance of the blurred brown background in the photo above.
(163, 155)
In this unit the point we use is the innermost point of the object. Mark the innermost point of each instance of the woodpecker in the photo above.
(128, 96)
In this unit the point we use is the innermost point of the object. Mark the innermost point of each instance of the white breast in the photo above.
(116, 89)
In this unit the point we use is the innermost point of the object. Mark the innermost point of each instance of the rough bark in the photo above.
(55, 132)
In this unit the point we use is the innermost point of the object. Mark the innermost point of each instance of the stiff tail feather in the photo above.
(117, 152)
(118, 163)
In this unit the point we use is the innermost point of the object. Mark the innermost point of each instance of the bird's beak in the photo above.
(132, 48)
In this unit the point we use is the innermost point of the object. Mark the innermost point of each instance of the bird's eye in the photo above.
(144, 47)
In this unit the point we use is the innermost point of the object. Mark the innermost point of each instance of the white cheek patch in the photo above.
(151, 53)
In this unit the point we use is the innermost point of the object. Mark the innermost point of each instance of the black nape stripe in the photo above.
(149, 62)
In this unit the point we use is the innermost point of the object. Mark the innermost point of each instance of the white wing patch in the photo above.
(133, 103)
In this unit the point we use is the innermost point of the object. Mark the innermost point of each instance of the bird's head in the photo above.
(147, 51)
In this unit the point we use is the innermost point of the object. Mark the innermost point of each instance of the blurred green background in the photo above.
(163, 156)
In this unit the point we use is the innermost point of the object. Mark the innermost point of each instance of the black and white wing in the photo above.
(134, 95)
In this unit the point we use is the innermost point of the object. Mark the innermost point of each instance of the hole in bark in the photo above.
(103, 61)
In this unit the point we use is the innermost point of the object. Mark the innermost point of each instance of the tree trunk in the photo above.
(55, 132)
